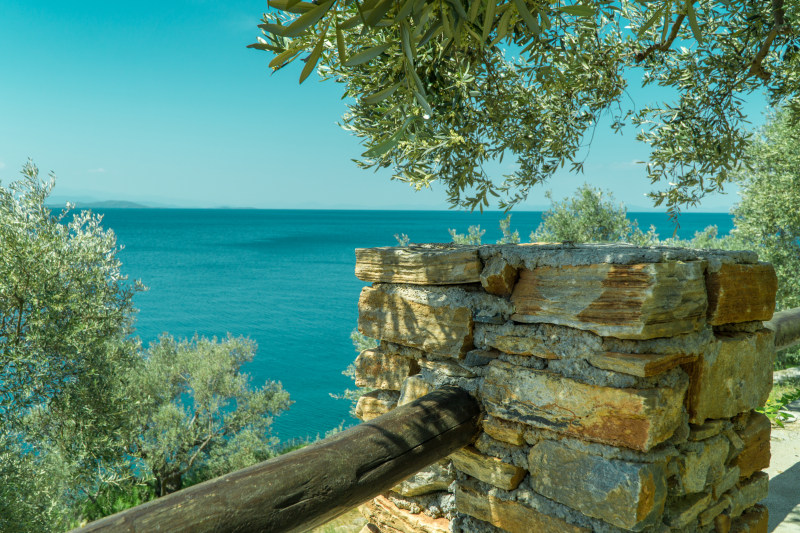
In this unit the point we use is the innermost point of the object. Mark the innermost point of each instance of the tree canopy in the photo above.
(439, 88)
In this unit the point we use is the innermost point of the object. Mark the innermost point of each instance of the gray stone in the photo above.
(628, 495)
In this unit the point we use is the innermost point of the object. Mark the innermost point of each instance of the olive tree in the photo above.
(197, 414)
(768, 216)
(440, 88)
(88, 417)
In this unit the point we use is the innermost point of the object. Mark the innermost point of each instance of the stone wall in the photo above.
(619, 385)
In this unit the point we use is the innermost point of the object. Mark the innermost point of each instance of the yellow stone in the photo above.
(754, 520)
(633, 418)
(503, 430)
(391, 519)
(381, 370)
(488, 469)
(627, 494)
(641, 365)
(436, 326)
(425, 264)
(510, 516)
(756, 453)
(641, 301)
(498, 277)
(375, 404)
(741, 293)
(732, 376)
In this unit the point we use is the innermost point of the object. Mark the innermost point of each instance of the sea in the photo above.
(284, 278)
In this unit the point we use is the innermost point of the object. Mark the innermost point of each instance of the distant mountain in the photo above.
(100, 204)
(115, 204)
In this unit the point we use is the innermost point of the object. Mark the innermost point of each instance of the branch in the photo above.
(664, 45)
(779, 27)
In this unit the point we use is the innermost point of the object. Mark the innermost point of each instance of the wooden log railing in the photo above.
(786, 325)
(310, 486)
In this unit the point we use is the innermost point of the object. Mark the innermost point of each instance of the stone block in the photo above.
(433, 323)
(391, 519)
(705, 430)
(375, 404)
(510, 516)
(446, 368)
(425, 264)
(504, 431)
(756, 453)
(488, 469)
(741, 293)
(626, 494)
(633, 418)
(639, 301)
(369, 528)
(413, 387)
(702, 463)
(711, 514)
(754, 520)
(381, 370)
(725, 483)
(684, 511)
(641, 365)
(522, 339)
(733, 375)
(480, 357)
(748, 493)
(434, 478)
(498, 277)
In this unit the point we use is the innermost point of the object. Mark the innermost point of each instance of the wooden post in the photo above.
(310, 486)
(786, 325)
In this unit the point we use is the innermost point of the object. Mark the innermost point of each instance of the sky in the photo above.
(162, 103)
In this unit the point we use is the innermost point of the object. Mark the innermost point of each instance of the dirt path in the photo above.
(783, 501)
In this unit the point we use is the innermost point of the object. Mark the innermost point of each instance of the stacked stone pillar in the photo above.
(619, 385)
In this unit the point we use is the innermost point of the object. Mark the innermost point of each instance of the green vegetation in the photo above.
(91, 422)
(440, 88)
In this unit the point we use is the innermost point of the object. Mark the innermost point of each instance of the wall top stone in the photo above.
(531, 256)
(425, 264)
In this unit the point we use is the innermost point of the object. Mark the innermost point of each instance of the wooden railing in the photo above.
(786, 325)
(308, 487)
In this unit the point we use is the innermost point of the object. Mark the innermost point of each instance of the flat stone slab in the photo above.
(424, 264)
(641, 365)
(640, 301)
(632, 418)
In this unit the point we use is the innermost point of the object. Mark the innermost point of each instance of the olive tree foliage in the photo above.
(768, 216)
(87, 417)
(440, 88)
(64, 303)
(65, 313)
(197, 413)
(590, 215)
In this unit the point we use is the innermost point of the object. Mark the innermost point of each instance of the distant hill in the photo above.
(102, 204)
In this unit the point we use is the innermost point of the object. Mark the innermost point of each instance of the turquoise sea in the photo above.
(285, 279)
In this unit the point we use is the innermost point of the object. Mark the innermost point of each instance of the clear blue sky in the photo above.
(161, 102)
